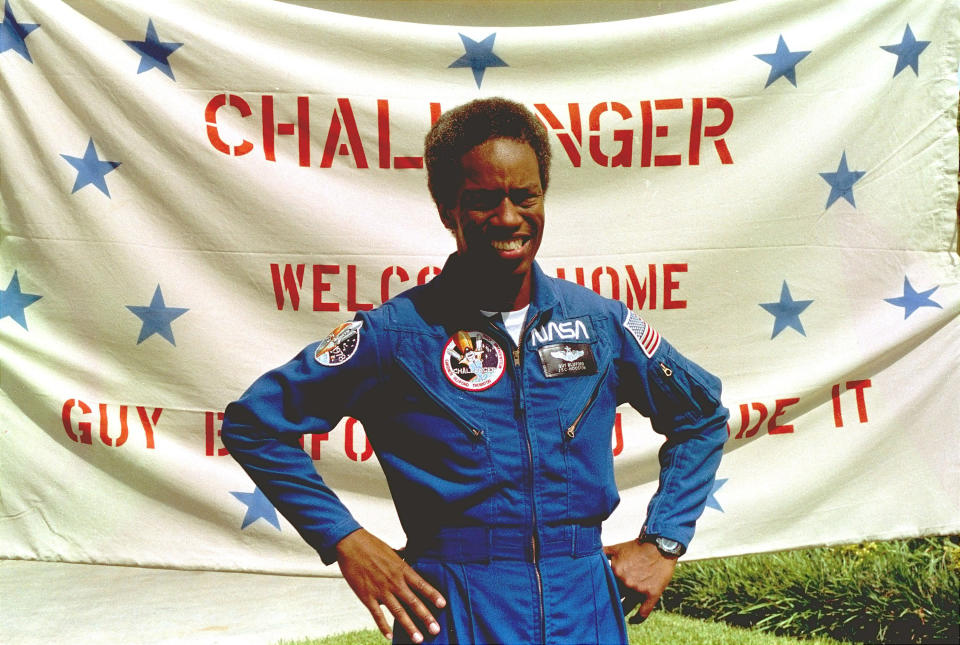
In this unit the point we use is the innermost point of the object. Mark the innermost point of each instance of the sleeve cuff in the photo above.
(679, 534)
(326, 546)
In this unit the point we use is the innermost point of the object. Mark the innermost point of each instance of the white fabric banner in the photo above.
(192, 191)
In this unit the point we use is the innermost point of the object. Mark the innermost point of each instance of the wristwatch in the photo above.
(667, 547)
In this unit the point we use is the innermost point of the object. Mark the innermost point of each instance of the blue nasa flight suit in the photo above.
(501, 474)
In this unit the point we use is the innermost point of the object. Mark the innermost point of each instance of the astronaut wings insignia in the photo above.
(567, 354)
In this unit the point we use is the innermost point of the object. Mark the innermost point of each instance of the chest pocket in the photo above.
(584, 429)
(573, 411)
(581, 405)
(578, 404)
(433, 449)
(420, 359)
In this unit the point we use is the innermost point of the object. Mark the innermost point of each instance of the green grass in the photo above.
(362, 637)
(904, 591)
(660, 629)
(664, 628)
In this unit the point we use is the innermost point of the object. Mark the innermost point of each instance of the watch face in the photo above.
(669, 546)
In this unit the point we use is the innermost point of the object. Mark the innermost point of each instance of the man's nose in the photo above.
(507, 213)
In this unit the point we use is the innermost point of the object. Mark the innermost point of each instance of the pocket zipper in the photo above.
(472, 433)
(672, 384)
(571, 430)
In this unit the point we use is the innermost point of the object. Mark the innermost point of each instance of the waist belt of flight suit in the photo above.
(482, 544)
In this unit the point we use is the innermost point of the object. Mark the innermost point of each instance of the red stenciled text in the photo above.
(755, 417)
(670, 131)
(356, 446)
(288, 283)
(113, 425)
(858, 387)
(771, 415)
(650, 287)
(617, 436)
(638, 288)
(686, 117)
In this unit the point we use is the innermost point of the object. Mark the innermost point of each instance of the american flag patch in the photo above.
(646, 336)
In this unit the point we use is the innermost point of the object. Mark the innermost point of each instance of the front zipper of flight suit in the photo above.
(520, 408)
(472, 433)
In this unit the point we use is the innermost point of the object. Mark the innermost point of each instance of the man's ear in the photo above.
(450, 219)
(447, 217)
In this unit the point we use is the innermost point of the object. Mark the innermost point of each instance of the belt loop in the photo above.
(586, 539)
(575, 542)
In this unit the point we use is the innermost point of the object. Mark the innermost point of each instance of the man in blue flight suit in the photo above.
(489, 396)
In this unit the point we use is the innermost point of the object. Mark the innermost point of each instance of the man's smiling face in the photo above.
(498, 219)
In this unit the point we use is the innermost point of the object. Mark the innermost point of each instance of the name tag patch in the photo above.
(567, 359)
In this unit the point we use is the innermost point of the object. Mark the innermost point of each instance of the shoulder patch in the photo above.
(645, 335)
(340, 344)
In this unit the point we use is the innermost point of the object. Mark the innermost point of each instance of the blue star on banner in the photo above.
(91, 169)
(13, 301)
(153, 52)
(908, 52)
(479, 56)
(911, 300)
(157, 318)
(783, 62)
(711, 500)
(13, 33)
(787, 312)
(842, 181)
(258, 507)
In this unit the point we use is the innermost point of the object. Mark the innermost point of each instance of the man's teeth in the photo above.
(507, 245)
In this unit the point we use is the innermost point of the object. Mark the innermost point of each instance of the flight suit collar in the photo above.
(461, 310)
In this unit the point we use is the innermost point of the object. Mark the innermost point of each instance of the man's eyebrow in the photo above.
(530, 187)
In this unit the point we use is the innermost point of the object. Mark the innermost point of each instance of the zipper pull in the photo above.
(572, 430)
(516, 356)
(477, 434)
(666, 370)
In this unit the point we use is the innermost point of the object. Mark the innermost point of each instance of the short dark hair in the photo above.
(460, 130)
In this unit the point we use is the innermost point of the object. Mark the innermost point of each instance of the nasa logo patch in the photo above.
(575, 330)
(340, 344)
(473, 361)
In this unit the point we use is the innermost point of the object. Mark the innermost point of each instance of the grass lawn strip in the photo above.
(902, 591)
(660, 629)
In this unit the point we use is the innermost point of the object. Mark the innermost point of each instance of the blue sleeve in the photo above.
(683, 403)
(262, 430)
